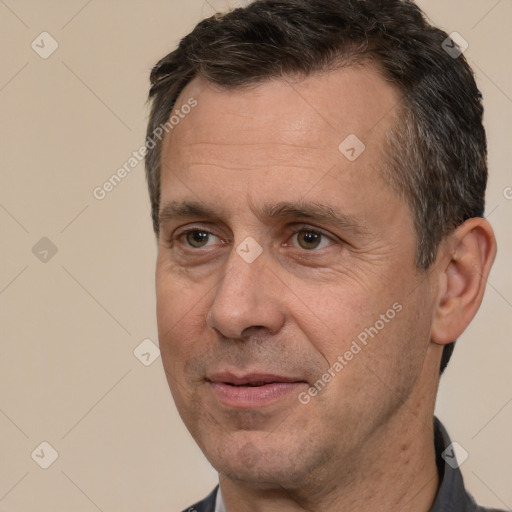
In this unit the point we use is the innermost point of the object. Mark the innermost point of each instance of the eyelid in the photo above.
(179, 234)
(298, 228)
(308, 227)
(204, 226)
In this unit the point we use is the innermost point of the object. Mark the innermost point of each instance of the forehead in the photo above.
(283, 140)
(314, 115)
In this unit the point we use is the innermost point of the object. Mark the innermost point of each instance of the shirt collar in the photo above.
(451, 495)
(219, 502)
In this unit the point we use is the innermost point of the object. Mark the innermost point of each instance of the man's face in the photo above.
(289, 249)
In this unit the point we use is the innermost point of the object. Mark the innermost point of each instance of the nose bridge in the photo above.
(245, 296)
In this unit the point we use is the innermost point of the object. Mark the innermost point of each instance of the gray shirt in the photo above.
(451, 495)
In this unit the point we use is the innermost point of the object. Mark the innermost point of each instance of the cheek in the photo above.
(394, 352)
(331, 318)
(177, 297)
(366, 336)
(180, 319)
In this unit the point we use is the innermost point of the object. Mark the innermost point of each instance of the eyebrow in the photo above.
(313, 211)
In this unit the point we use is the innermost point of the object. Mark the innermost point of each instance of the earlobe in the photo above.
(465, 261)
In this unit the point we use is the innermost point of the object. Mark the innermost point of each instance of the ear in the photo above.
(466, 259)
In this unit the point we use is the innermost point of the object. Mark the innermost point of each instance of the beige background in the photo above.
(69, 325)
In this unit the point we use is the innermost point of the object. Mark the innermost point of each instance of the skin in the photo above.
(365, 441)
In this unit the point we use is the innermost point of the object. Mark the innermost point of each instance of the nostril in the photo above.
(248, 331)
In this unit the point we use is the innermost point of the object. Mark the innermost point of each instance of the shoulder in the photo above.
(485, 509)
(206, 505)
(452, 494)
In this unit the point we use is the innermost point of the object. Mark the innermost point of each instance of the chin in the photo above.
(253, 459)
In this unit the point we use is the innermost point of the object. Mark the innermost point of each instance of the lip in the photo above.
(252, 390)
(250, 378)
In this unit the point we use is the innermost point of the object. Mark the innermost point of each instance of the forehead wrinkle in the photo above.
(250, 155)
(253, 143)
(244, 168)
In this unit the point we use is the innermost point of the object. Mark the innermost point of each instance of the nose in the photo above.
(247, 300)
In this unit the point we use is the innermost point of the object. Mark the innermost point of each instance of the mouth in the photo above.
(252, 390)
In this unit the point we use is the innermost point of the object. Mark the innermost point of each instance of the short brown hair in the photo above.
(437, 150)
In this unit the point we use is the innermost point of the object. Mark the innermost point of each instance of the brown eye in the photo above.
(197, 239)
(309, 240)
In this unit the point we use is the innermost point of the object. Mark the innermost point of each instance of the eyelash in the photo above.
(297, 230)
